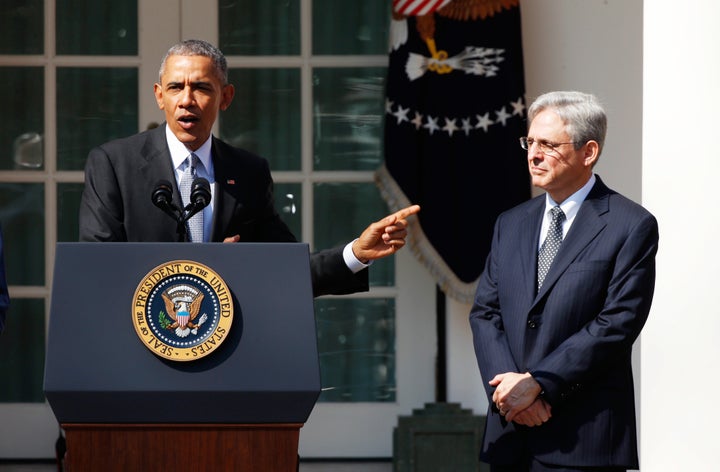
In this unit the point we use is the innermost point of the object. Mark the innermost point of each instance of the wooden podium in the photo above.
(124, 407)
(181, 447)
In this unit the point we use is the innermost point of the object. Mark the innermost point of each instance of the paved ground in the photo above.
(306, 466)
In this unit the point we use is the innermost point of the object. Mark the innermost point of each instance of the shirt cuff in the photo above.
(351, 261)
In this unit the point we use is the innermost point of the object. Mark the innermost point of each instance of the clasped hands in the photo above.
(517, 398)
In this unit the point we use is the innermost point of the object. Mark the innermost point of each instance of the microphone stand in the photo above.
(183, 216)
(199, 198)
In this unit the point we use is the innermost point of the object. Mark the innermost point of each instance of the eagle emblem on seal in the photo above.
(182, 303)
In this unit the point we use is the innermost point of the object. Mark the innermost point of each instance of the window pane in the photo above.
(356, 344)
(22, 215)
(349, 109)
(355, 28)
(342, 212)
(89, 27)
(21, 138)
(265, 116)
(68, 206)
(249, 27)
(86, 120)
(21, 27)
(22, 352)
(288, 202)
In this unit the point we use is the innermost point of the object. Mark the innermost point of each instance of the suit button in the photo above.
(531, 324)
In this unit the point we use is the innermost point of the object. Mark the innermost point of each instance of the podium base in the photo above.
(182, 447)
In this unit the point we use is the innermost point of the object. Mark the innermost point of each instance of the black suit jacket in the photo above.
(575, 336)
(116, 205)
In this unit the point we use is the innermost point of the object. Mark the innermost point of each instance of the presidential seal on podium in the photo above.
(182, 310)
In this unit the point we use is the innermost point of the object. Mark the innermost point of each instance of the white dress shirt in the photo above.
(570, 207)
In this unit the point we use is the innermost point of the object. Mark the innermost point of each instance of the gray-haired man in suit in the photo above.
(553, 330)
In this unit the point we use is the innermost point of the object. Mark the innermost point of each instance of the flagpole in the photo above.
(441, 362)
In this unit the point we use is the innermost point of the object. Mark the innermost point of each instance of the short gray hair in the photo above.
(198, 47)
(582, 113)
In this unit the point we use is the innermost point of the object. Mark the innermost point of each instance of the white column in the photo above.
(681, 342)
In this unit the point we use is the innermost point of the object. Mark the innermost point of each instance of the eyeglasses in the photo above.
(545, 147)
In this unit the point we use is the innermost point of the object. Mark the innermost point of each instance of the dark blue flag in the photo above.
(454, 112)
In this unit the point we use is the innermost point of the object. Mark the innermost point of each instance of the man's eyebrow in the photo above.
(196, 83)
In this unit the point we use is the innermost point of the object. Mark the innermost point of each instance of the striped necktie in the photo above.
(194, 224)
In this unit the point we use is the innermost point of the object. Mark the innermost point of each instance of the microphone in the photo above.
(199, 197)
(162, 198)
(200, 193)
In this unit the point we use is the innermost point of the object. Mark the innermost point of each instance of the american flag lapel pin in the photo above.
(231, 181)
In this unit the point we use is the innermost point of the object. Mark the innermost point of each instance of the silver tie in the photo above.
(551, 245)
(194, 224)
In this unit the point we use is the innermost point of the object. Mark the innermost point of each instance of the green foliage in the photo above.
(164, 321)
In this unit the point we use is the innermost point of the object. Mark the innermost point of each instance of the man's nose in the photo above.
(186, 97)
(534, 152)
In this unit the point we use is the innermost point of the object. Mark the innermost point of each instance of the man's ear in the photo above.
(158, 95)
(592, 153)
(228, 93)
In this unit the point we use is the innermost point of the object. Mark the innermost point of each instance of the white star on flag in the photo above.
(431, 125)
(401, 114)
(450, 126)
(518, 107)
(484, 121)
(502, 116)
(417, 120)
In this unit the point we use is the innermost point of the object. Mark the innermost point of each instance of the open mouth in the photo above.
(188, 121)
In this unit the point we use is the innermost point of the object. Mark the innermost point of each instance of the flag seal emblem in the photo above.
(182, 310)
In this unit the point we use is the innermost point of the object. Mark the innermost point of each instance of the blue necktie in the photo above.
(194, 224)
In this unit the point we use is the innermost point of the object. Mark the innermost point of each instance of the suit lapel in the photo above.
(157, 164)
(225, 202)
(588, 223)
(529, 246)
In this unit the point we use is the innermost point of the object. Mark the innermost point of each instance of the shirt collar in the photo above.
(571, 205)
(178, 151)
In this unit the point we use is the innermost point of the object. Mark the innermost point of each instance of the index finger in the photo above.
(407, 211)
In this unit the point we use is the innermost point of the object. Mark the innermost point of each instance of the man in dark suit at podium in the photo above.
(121, 176)
(4, 297)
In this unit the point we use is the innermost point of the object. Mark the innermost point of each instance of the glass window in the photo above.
(250, 28)
(356, 27)
(22, 214)
(343, 211)
(348, 118)
(356, 335)
(264, 117)
(94, 105)
(112, 29)
(68, 205)
(21, 138)
(288, 202)
(22, 25)
(22, 352)
(356, 345)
